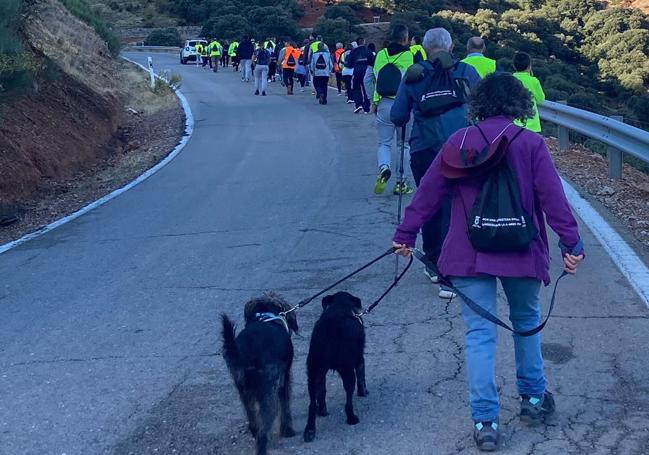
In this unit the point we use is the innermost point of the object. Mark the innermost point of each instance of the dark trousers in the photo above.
(287, 76)
(206, 59)
(302, 79)
(339, 82)
(320, 83)
(348, 87)
(434, 231)
(358, 88)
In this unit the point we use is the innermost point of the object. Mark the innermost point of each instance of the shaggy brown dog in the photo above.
(259, 359)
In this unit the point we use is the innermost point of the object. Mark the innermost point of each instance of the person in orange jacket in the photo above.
(290, 57)
(338, 66)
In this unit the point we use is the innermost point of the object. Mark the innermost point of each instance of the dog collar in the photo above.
(272, 317)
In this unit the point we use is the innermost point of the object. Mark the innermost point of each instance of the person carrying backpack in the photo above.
(215, 49)
(358, 60)
(436, 118)
(529, 184)
(290, 56)
(261, 61)
(347, 74)
(321, 67)
(390, 65)
(245, 51)
(337, 56)
(232, 53)
(418, 51)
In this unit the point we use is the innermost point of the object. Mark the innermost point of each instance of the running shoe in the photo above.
(431, 275)
(402, 188)
(537, 409)
(350, 101)
(256, 92)
(358, 109)
(446, 294)
(382, 179)
(486, 436)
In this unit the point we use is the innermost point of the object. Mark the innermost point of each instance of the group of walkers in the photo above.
(463, 124)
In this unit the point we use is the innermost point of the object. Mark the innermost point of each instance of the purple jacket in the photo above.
(541, 192)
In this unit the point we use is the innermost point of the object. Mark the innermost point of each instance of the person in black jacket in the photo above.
(244, 55)
(358, 59)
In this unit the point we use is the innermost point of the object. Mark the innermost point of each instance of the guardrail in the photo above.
(612, 131)
(151, 49)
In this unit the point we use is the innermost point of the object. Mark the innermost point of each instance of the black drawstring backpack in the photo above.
(497, 222)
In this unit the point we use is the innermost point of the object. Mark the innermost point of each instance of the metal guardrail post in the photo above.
(614, 157)
(564, 135)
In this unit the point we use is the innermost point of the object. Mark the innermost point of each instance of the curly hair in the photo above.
(501, 94)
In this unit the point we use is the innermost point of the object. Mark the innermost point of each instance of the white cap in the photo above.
(354, 44)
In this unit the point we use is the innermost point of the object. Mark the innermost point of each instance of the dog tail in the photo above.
(230, 351)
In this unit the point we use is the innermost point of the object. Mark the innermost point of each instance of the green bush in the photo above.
(164, 37)
(82, 10)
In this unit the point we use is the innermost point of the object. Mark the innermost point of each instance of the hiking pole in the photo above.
(400, 185)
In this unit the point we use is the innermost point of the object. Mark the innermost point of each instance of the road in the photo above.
(109, 334)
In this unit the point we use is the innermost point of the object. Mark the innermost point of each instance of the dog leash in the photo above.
(348, 276)
(480, 310)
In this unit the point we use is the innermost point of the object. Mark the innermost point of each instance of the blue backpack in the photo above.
(263, 57)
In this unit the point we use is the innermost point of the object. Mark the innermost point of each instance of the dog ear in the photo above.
(327, 300)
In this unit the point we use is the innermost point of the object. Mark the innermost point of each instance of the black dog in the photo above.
(259, 360)
(337, 343)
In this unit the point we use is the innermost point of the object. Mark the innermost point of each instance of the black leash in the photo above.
(348, 276)
(480, 310)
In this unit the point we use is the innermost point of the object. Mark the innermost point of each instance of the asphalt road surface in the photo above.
(109, 334)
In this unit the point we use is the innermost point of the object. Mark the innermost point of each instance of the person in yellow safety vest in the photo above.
(269, 44)
(418, 51)
(199, 52)
(205, 56)
(215, 49)
(523, 66)
(232, 52)
(475, 48)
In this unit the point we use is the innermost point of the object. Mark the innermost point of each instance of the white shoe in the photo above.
(446, 294)
(431, 275)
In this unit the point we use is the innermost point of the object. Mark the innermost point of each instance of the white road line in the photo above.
(189, 129)
(631, 266)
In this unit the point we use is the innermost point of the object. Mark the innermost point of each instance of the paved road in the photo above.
(109, 339)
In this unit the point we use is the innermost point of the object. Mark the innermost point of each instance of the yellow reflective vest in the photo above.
(215, 49)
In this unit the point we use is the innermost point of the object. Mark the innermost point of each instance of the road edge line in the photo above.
(189, 129)
(620, 252)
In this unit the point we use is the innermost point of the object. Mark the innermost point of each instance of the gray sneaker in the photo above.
(486, 436)
(537, 409)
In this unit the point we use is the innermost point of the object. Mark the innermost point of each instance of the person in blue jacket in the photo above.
(429, 133)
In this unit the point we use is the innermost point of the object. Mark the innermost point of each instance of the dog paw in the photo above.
(288, 432)
(352, 420)
(363, 392)
(309, 435)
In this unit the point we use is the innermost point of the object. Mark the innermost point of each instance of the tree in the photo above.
(164, 37)
(342, 11)
(229, 26)
(335, 30)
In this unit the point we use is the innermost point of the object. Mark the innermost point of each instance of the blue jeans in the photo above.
(480, 341)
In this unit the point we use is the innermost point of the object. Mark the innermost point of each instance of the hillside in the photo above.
(80, 125)
(135, 13)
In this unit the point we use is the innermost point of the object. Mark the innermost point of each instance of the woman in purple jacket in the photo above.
(498, 100)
